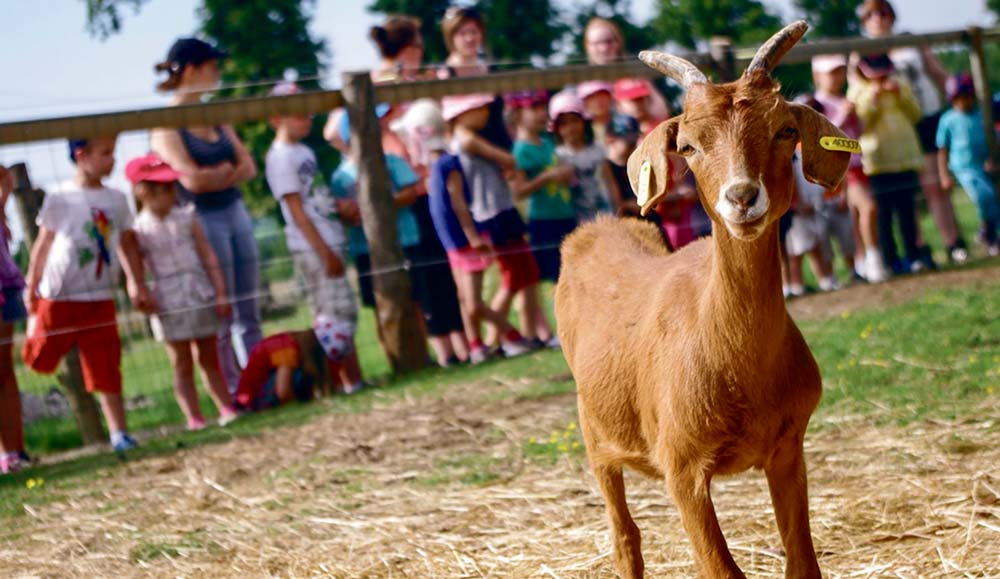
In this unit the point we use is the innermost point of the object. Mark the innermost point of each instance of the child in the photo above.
(84, 229)
(188, 286)
(598, 102)
(806, 235)
(492, 208)
(315, 241)
(293, 365)
(12, 453)
(468, 254)
(635, 98)
(550, 205)
(892, 156)
(829, 76)
(577, 148)
(962, 149)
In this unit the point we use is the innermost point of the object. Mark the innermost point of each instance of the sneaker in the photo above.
(917, 266)
(829, 284)
(354, 388)
(514, 349)
(924, 256)
(857, 278)
(958, 255)
(196, 424)
(124, 443)
(875, 270)
(11, 463)
(228, 416)
(554, 343)
(796, 290)
(478, 356)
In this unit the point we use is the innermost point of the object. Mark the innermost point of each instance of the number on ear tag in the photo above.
(642, 194)
(840, 144)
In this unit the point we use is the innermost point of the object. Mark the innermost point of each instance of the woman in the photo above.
(212, 162)
(926, 75)
(604, 44)
(464, 32)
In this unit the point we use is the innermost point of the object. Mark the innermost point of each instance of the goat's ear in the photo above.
(820, 164)
(653, 150)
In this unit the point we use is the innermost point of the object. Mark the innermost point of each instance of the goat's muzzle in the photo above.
(742, 206)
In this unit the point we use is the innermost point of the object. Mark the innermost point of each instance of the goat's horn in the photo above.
(674, 67)
(771, 52)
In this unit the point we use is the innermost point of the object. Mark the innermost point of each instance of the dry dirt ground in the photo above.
(488, 480)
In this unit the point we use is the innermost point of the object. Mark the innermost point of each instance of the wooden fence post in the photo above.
(720, 48)
(82, 403)
(399, 327)
(981, 78)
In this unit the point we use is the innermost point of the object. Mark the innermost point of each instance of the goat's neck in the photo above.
(744, 287)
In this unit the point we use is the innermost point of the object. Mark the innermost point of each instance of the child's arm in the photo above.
(406, 196)
(908, 103)
(334, 265)
(524, 188)
(942, 160)
(283, 383)
(476, 145)
(456, 192)
(211, 264)
(246, 168)
(864, 95)
(131, 257)
(168, 144)
(39, 257)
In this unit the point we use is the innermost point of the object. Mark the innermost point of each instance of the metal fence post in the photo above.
(88, 419)
(396, 314)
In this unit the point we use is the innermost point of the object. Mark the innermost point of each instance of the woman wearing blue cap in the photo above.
(213, 162)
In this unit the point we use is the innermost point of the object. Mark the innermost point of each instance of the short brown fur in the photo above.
(687, 365)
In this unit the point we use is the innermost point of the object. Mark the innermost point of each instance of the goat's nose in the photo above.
(743, 195)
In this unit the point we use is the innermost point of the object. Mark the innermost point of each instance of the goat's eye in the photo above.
(787, 133)
(685, 150)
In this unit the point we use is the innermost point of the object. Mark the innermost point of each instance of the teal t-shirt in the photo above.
(554, 200)
(344, 185)
(963, 135)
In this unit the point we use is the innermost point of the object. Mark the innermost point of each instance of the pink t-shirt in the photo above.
(837, 108)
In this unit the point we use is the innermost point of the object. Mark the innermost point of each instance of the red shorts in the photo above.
(856, 176)
(91, 327)
(518, 268)
(469, 260)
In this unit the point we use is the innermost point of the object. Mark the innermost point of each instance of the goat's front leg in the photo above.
(692, 494)
(786, 478)
(624, 532)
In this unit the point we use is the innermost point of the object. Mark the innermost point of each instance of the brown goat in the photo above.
(687, 365)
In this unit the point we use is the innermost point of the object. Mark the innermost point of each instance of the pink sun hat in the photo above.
(454, 106)
(150, 168)
(589, 88)
(566, 102)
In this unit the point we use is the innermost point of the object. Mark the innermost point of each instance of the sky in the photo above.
(54, 68)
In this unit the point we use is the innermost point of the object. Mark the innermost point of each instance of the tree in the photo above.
(265, 39)
(104, 16)
(832, 18)
(688, 21)
(515, 30)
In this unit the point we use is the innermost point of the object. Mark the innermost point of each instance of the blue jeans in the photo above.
(979, 187)
(230, 232)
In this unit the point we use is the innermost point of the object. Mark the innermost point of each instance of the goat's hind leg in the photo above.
(624, 531)
(786, 478)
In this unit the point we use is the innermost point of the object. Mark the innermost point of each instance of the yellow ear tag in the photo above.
(840, 144)
(642, 195)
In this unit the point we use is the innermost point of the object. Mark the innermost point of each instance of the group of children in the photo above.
(457, 192)
(879, 109)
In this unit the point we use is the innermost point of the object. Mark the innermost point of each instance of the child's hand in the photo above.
(334, 265)
(479, 245)
(142, 299)
(988, 166)
(947, 182)
(348, 211)
(222, 307)
(31, 300)
(562, 174)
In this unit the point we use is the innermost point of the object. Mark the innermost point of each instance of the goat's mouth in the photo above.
(744, 222)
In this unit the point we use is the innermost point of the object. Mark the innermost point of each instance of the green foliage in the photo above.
(994, 6)
(831, 18)
(688, 21)
(104, 16)
(265, 39)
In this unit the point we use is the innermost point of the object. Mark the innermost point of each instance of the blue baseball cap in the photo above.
(194, 51)
(75, 144)
(381, 110)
